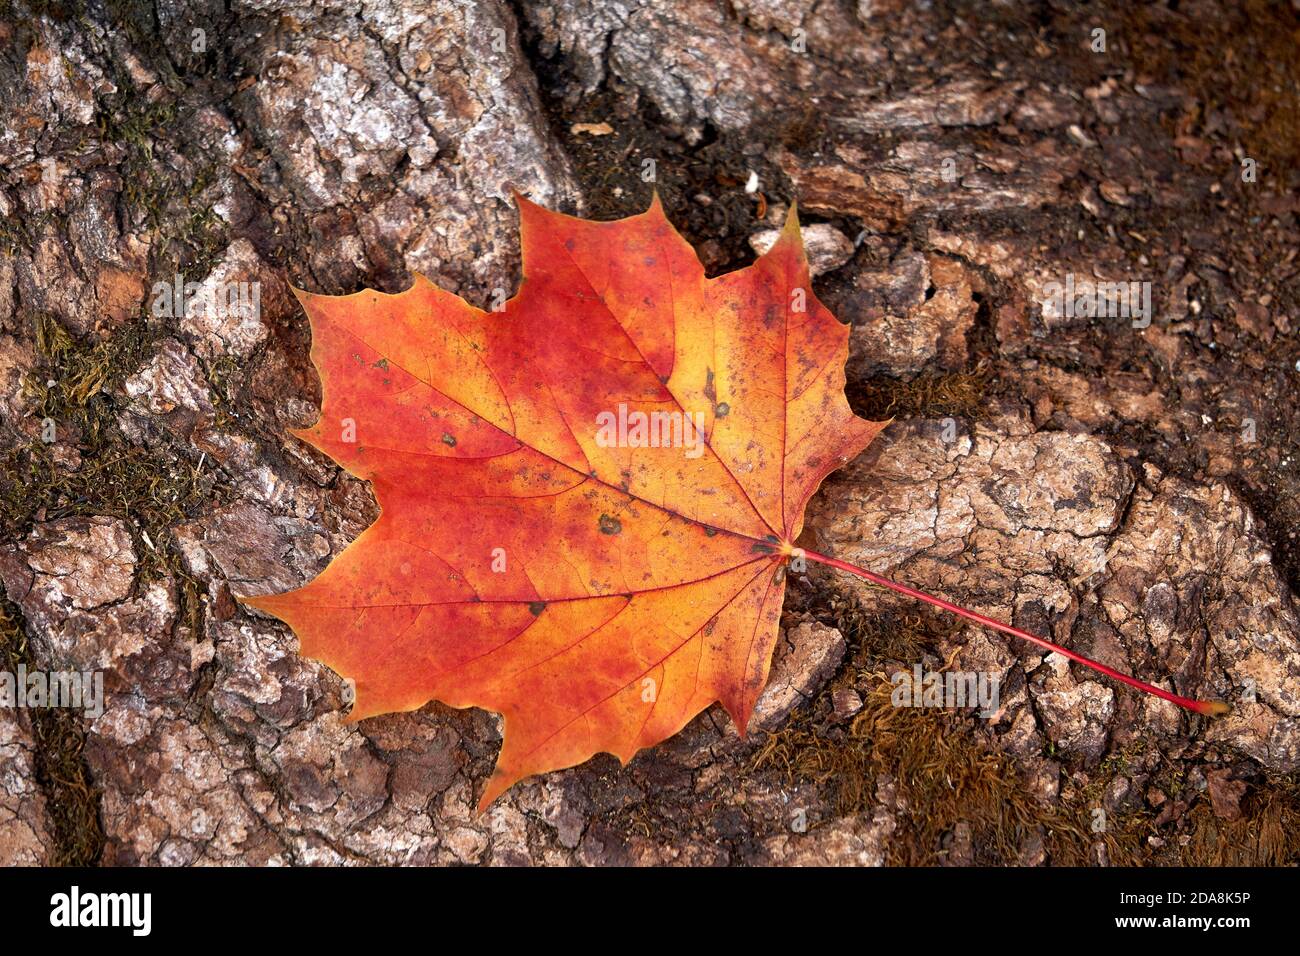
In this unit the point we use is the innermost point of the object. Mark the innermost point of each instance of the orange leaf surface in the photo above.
(597, 595)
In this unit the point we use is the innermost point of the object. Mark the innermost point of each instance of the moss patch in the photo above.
(930, 395)
(71, 799)
(151, 492)
(68, 389)
(945, 774)
(1266, 834)
(942, 774)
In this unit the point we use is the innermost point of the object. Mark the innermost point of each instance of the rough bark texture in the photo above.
(1129, 491)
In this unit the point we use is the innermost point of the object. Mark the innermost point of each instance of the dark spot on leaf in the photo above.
(710, 532)
(536, 608)
(610, 525)
(382, 363)
(448, 440)
(722, 410)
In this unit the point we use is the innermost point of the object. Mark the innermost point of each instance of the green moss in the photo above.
(113, 477)
(945, 774)
(188, 232)
(943, 771)
(942, 774)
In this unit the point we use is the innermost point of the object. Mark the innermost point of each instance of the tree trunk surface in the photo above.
(1122, 480)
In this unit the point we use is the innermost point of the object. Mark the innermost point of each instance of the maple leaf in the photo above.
(589, 497)
(596, 595)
